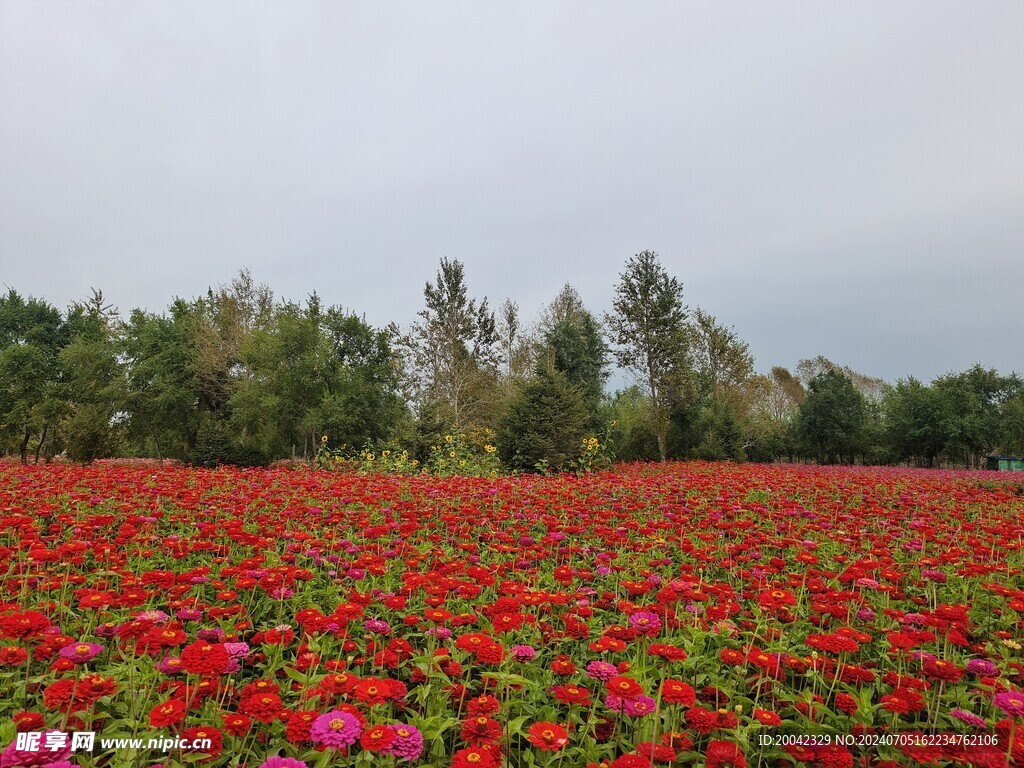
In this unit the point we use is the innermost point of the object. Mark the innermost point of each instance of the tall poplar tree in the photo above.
(649, 328)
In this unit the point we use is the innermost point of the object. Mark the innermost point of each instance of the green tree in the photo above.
(1011, 434)
(164, 394)
(572, 343)
(313, 372)
(916, 420)
(974, 417)
(649, 328)
(720, 356)
(94, 382)
(544, 424)
(453, 352)
(832, 418)
(32, 334)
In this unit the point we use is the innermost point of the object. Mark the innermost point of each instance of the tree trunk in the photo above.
(42, 439)
(24, 448)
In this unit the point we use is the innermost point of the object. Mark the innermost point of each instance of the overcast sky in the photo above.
(837, 178)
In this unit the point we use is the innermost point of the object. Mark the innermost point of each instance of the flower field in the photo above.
(683, 614)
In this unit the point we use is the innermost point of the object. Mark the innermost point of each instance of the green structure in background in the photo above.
(1003, 463)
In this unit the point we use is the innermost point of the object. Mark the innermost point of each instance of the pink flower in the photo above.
(408, 743)
(80, 653)
(274, 761)
(1011, 702)
(336, 729)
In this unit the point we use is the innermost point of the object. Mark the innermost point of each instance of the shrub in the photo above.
(544, 425)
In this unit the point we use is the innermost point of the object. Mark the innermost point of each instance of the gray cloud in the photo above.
(843, 179)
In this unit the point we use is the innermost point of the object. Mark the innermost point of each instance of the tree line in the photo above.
(238, 376)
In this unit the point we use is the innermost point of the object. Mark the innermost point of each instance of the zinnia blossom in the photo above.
(80, 653)
(1011, 702)
(547, 736)
(336, 729)
(408, 743)
(274, 761)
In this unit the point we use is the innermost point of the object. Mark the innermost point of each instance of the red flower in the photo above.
(846, 703)
(265, 707)
(474, 757)
(724, 754)
(13, 656)
(28, 721)
(22, 625)
(677, 692)
(571, 694)
(481, 730)
(299, 723)
(937, 669)
(236, 725)
(547, 736)
(377, 738)
(200, 734)
(203, 658)
(624, 687)
(372, 690)
(483, 705)
(168, 713)
(767, 717)
(833, 756)
(703, 721)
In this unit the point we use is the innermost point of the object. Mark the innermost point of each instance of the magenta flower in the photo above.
(967, 717)
(154, 616)
(171, 665)
(237, 650)
(80, 653)
(640, 706)
(1011, 702)
(523, 652)
(982, 667)
(377, 626)
(602, 670)
(275, 761)
(336, 729)
(43, 755)
(408, 743)
(645, 622)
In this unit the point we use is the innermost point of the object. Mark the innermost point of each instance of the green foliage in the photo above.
(32, 334)
(720, 434)
(313, 372)
(571, 342)
(649, 327)
(233, 377)
(163, 400)
(471, 453)
(544, 424)
(95, 387)
(453, 352)
(972, 419)
(832, 418)
(915, 419)
(632, 439)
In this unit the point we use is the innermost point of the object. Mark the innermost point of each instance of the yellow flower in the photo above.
(369, 457)
(490, 448)
(385, 454)
(451, 454)
(323, 439)
(447, 438)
